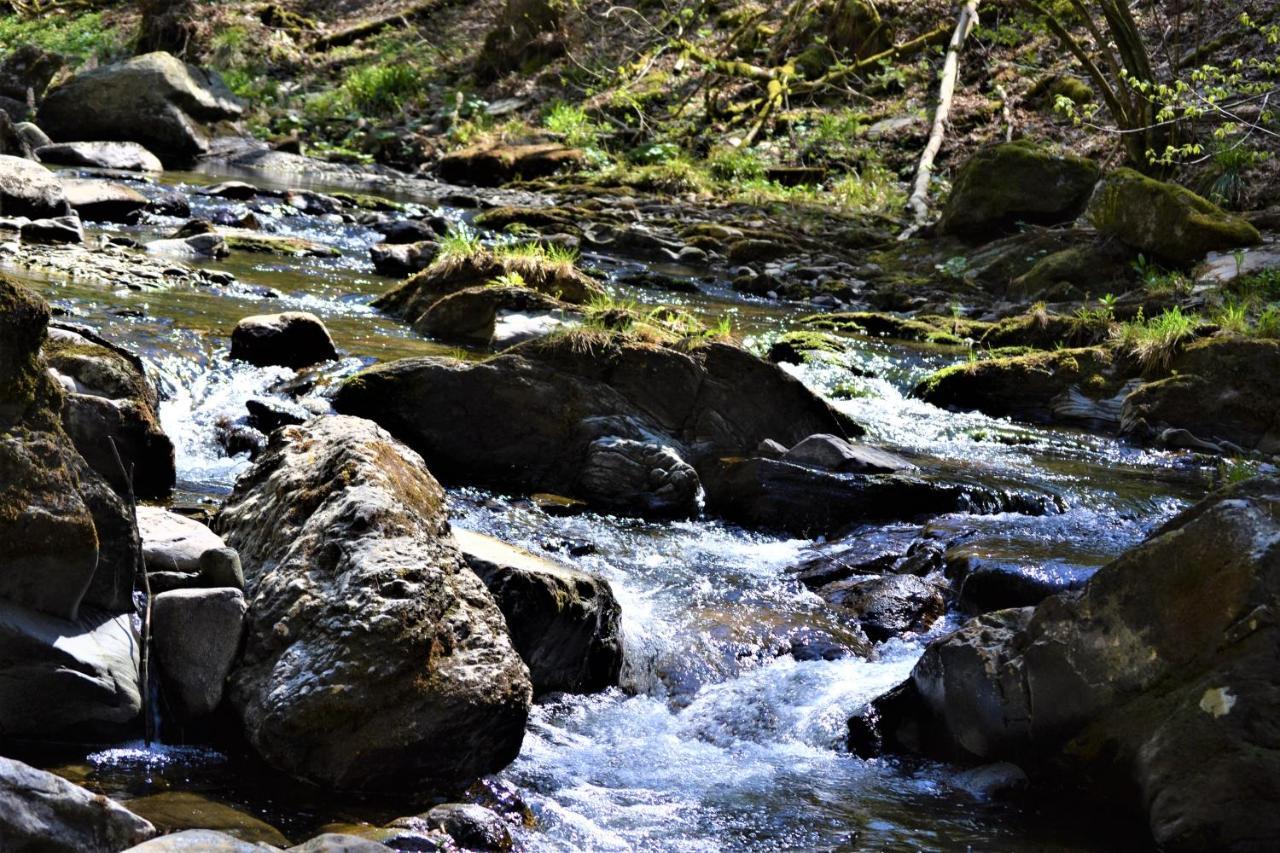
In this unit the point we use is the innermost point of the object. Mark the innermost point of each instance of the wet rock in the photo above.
(474, 827)
(231, 190)
(170, 204)
(800, 347)
(400, 260)
(992, 781)
(42, 813)
(62, 229)
(31, 135)
(364, 616)
(888, 606)
(154, 99)
(525, 419)
(987, 584)
(100, 201)
(1016, 182)
(29, 189)
(240, 239)
(337, 842)
(200, 841)
(566, 624)
(407, 231)
(67, 677)
(237, 438)
(65, 536)
(639, 476)
(197, 634)
(779, 495)
(195, 246)
(1166, 221)
(12, 142)
(293, 339)
(832, 453)
(1221, 392)
(493, 165)
(123, 156)
(1153, 680)
(108, 398)
(268, 415)
(175, 811)
(26, 71)
(472, 316)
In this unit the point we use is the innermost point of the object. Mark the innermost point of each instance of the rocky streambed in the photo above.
(726, 590)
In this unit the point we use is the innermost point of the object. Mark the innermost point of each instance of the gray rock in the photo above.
(123, 156)
(293, 339)
(832, 453)
(639, 476)
(29, 189)
(43, 813)
(61, 229)
(26, 71)
(200, 841)
(888, 606)
(196, 633)
(32, 135)
(362, 611)
(195, 246)
(174, 543)
(992, 781)
(566, 624)
(398, 260)
(102, 201)
(60, 676)
(336, 842)
(154, 99)
(221, 567)
(473, 827)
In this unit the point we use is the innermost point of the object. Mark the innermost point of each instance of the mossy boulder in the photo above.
(494, 165)
(930, 330)
(1164, 220)
(1223, 391)
(1007, 184)
(1084, 385)
(799, 346)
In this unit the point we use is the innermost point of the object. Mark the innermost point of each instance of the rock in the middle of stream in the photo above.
(374, 659)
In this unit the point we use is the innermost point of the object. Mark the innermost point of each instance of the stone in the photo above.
(177, 810)
(43, 813)
(472, 316)
(200, 841)
(12, 142)
(65, 537)
(67, 677)
(170, 204)
(396, 260)
(526, 419)
(1151, 686)
(639, 476)
(172, 542)
(154, 99)
(109, 398)
(196, 634)
(888, 606)
(195, 246)
(26, 70)
(220, 567)
(268, 415)
(121, 156)
(293, 339)
(100, 201)
(29, 189)
(62, 229)
(566, 624)
(337, 842)
(1168, 222)
(1016, 182)
(32, 135)
(832, 453)
(363, 618)
(408, 232)
(493, 165)
(473, 827)
(231, 190)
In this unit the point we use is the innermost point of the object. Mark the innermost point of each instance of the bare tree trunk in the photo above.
(918, 203)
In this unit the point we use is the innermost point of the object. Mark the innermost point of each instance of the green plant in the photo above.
(1268, 325)
(460, 241)
(1226, 181)
(736, 164)
(77, 36)
(382, 90)
(954, 268)
(573, 125)
(1153, 343)
(1232, 317)
(874, 189)
(1235, 470)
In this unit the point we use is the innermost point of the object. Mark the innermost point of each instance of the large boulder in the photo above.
(65, 537)
(293, 339)
(29, 189)
(43, 813)
(374, 659)
(67, 677)
(566, 624)
(121, 156)
(527, 419)
(1166, 221)
(1156, 683)
(108, 397)
(155, 99)
(196, 633)
(1015, 182)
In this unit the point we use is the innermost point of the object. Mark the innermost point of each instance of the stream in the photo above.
(728, 729)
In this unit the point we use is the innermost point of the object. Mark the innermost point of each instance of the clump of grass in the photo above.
(1235, 470)
(1153, 343)
(661, 325)
(460, 241)
(573, 125)
(1232, 317)
(77, 36)
(874, 189)
(382, 90)
(736, 164)
(1268, 325)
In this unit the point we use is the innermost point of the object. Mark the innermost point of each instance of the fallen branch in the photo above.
(365, 29)
(918, 203)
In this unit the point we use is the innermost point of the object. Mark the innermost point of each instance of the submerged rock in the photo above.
(527, 419)
(374, 658)
(1004, 185)
(1164, 220)
(293, 339)
(155, 99)
(186, 813)
(1152, 684)
(566, 624)
(122, 156)
(42, 813)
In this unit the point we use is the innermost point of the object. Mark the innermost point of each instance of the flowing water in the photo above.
(727, 731)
